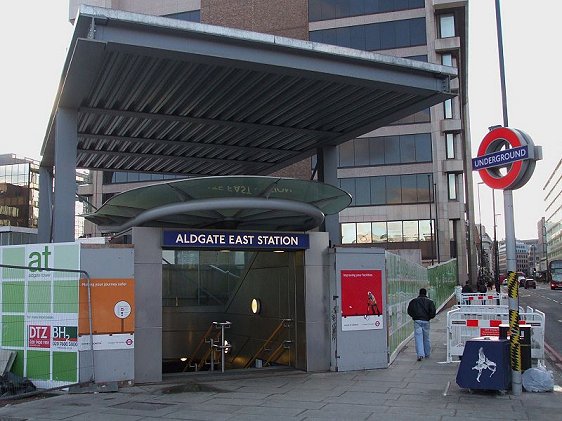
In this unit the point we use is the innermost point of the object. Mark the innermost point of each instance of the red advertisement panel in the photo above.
(361, 292)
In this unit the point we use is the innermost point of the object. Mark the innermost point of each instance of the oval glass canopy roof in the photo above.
(229, 202)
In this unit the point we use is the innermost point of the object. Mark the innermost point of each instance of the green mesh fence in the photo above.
(442, 281)
(404, 280)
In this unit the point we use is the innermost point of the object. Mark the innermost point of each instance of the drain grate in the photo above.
(142, 406)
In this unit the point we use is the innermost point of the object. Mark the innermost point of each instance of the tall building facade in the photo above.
(19, 191)
(409, 180)
(525, 256)
(19, 200)
(553, 213)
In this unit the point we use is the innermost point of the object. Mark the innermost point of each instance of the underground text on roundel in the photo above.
(500, 158)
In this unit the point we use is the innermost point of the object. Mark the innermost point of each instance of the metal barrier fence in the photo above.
(488, 298)
(465, 322)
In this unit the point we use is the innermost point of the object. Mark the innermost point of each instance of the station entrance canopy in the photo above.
(231, 202)
(153, 94)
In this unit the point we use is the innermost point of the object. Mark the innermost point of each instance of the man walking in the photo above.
(422, 310)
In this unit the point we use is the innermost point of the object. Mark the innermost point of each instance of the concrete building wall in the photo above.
(117, 364)
(281, 17)
(148, 296)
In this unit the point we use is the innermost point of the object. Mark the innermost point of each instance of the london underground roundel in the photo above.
(506, 148)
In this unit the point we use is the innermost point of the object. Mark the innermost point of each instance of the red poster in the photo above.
(489, 331)
(361, 292)
(39, 336)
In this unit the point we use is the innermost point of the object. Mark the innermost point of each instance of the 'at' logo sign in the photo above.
(39, 336)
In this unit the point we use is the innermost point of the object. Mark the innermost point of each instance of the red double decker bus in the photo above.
(554, 274)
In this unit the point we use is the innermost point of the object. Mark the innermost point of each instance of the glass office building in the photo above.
(19, 191)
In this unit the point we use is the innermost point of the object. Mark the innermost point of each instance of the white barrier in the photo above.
(489, 298)
(467, 322)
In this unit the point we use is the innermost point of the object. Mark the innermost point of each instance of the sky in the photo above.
(34, 43)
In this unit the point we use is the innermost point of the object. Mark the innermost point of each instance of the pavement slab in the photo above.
(407, 390)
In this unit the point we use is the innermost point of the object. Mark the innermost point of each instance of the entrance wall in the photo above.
(310, 304)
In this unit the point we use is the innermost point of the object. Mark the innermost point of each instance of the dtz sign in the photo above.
(39, 336)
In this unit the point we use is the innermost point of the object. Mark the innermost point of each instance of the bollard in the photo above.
(504, 330)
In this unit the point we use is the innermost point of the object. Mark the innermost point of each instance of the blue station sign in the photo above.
(234, 240)
(500, 158)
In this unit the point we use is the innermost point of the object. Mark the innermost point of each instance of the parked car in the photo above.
(530, 283)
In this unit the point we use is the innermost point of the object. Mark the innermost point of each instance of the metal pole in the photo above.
(481, 246)
(430, 217)
(496, 257)
(513, 294)
(501, 62)
(223, 347)
(90, 325)
(436, 222)
(513, 284)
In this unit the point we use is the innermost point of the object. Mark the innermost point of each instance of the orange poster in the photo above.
(113, 306)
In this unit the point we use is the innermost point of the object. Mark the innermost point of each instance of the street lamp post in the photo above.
(496, 257)
(481, 245)
(430, 217)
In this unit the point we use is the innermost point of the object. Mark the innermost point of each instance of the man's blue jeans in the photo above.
(421, 335)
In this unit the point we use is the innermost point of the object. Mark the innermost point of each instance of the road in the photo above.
(550, 303)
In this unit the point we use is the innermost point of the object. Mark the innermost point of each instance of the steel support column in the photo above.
(328, 173)
(66, 140)
(45, 204)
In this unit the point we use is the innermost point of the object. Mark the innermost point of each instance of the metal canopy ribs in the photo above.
(161, 95)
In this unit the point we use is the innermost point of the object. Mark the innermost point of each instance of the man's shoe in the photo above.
(420, 358)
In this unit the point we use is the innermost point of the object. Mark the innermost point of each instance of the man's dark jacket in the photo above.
(421, 308)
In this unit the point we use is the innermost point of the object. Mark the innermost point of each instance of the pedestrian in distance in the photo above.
(422, 310)
(467, 289)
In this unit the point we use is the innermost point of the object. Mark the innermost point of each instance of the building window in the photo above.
(191, 16)
(335, 9)
(392, 235)
(450, 145)
(119, 177)
(447, 26)
(452, 181)
(348, 233)
(388, 190)
(364, 233)
(388, 150)
(447, 60)
(448, 108)
(375, 36)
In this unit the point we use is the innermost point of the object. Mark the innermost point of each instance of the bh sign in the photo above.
(509, 148)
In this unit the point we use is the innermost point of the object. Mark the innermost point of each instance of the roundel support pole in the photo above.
(513, 283)
(513, 294)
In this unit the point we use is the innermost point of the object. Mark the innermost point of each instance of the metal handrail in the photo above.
(278, 351)
(194, 353)
(281, 325)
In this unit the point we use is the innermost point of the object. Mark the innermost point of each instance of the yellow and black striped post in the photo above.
(514, 331)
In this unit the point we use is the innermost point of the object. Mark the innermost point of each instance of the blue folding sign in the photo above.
(234, 240)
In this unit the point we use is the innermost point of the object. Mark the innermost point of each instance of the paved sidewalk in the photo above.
(407, 390)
